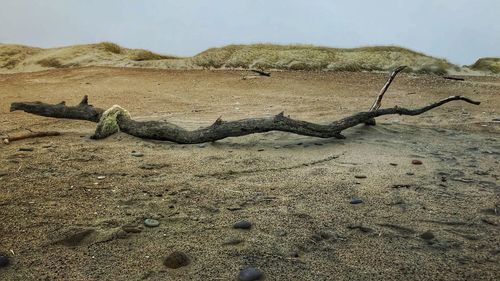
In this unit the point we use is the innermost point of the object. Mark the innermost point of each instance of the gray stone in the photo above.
(250, 274)
(151, 223)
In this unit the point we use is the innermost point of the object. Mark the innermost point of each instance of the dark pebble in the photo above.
(356, 201)
(26, 149)
(393, 164)
(243, 225)
(176, 260)
(4, 261)
(232, 241)
(410, 174)
(360, 176)
(427, 235)
(416, 162)
(250, 274)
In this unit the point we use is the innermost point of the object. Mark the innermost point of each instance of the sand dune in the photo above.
(18, 58)
(491, 65)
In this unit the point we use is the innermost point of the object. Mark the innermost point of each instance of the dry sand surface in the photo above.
(73, 209)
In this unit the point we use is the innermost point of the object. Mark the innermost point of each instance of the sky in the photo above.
(458, 30)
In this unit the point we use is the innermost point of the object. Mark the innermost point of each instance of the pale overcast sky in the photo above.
(459, 30)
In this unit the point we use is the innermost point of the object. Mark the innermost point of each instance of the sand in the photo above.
(64, 204)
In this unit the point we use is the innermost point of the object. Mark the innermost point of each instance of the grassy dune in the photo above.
(307, 57)
(17, 58)
(487, 64)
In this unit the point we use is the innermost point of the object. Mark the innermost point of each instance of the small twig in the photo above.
(32, 134)
(453, 78)
(261, 72)
(378, 101)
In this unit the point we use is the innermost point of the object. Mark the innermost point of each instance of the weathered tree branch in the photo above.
(117, 119)
(83, 111)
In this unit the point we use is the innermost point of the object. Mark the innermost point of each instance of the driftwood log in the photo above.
(117, 119)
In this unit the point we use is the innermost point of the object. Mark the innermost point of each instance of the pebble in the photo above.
(4, 261)
(416, 162)
(137, 154)
(26, 149)
(101, 177)
(356, 201)
(360, 176)
(176, 260)
(151, 223)
(410, 174)
(202, 145)
(393, 164)
(427, 235)
(250, 274)
(243, 225)
(232, 241)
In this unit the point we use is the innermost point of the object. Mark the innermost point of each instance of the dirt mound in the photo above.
(487, 64)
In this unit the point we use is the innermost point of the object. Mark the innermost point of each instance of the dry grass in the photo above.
(111, 47)
(487, 64)
(16, 58)
(50, 62)
(145, 55)
(307, 57)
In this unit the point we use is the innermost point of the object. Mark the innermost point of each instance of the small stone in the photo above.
(410, 173)
(4, 261)
(393, 164)
(101, 177)
(250, 274)
(137, 154)
(360, 176)
(356, 201)
(260, 149)
(176, 260)
(202, 145)
(428, 235)
(416, 162)
(232, 241)
(151, 223)
(243, 225)
(26, 149)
